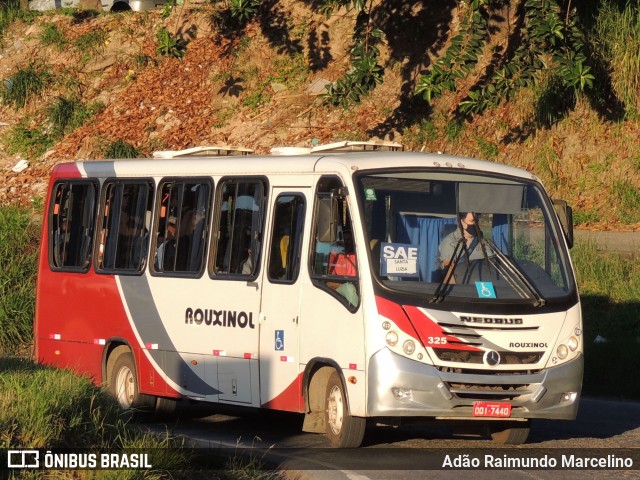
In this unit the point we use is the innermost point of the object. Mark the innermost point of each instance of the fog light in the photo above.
(402, 393)
(409, 346)
(562, 351)
(392, 338)
(573, 344)
(569, 397)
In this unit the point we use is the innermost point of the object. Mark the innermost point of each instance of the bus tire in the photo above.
(123, 382)
(510, 433)
(165, 407)
(343, 430)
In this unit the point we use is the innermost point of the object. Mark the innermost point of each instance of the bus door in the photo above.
(235, 292)
(279, 319)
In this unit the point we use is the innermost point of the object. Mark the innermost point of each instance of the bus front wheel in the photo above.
(510, 433)
(343, 430)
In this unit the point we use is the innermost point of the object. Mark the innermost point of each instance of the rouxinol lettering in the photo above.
(528, 345)
(219, 318)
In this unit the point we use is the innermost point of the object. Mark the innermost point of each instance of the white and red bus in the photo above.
(315, 283)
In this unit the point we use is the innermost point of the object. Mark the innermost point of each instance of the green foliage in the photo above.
(24, 84)
(292, 71)
(453, 129)
(550, 39)
(167, 9)
(365, 73)
(170, 45)
(42, 407)
(628, 197)
(52, 35)
(609, 289)
(554, 101)
(244, 10)
(120, 149)
(10, 11)
(617, 43)
(92, 42)
(419, 134)
(489, 150)
(69, 113)
(19, 240)
(28, 142)
(460, 58)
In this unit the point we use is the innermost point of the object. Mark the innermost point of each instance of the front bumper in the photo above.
(399, 386)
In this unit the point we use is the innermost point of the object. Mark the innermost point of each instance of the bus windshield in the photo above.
(463, 236)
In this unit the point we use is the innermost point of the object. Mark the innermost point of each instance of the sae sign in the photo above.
(399, 260)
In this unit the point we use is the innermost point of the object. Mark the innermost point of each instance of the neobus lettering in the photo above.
(219, 318)
(493, 321)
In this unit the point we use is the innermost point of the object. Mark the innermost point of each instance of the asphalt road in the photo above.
(403, 452)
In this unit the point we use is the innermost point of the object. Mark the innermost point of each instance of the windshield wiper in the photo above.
(513, 274)
(461, 246)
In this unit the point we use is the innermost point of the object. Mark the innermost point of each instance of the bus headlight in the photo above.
(573, 344)
(392, 338)
(562, 351)
(409, 346)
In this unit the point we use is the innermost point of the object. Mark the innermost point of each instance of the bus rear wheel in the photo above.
(510, 433)
(123, 382)
(343, 430)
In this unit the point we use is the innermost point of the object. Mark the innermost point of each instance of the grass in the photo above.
(617, 40)
(52, 35)
(120, 149)
(24, 84)
(68, 113)
(47, 408)
(610, 291)
(92, 42)
(28, 142)
(19, 239)
(10, 12)
(628, 198)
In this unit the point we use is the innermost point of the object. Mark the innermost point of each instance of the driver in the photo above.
(473, 246)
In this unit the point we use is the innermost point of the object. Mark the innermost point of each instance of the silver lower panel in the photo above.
(428, 392)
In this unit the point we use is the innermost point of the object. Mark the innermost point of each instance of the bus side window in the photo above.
(71, 227)
(334, 263)
(240, 206)
(124, 234)
(182, 226)
(286, 238)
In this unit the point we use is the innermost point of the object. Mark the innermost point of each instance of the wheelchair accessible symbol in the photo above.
(485, 290)
(279, 340)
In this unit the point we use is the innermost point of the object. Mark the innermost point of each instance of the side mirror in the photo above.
(327, 219)
(565, 215)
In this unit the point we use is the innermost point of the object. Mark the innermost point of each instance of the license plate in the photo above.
(491, 409)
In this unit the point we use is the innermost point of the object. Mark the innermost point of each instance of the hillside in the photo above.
(258, 86)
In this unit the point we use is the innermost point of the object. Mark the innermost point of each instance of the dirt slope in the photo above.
(257, 87)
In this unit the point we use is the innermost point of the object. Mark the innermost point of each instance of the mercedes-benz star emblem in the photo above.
(492, 358)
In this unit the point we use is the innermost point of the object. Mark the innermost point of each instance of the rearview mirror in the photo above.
(327, 219)
(565, 215)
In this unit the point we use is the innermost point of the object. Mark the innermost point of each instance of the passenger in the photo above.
(166, 252)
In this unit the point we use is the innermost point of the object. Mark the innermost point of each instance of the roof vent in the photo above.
(355, 146)
(204, 151)
(290, 151)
